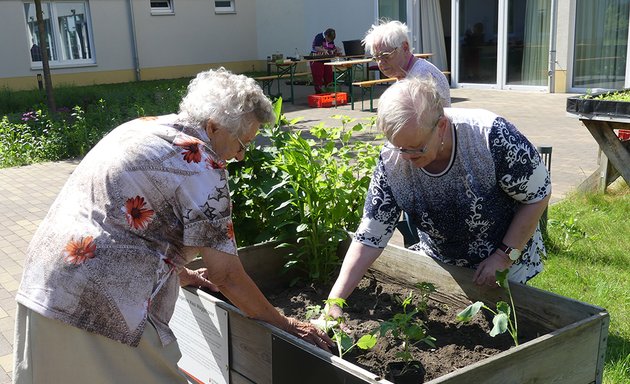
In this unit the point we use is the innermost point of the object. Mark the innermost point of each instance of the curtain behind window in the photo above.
(536, 42)
(433, 33)
(601, 39)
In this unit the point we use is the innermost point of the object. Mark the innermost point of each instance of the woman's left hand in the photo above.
(196, 278)
(487, 269)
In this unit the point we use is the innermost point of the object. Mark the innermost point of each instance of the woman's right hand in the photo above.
(309, 333)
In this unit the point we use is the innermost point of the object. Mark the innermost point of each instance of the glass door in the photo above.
(503, 43)
(601, 44)
(477, 37)
(528, 25)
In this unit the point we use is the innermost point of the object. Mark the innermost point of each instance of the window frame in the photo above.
(56, 36)
(225, 10)
(157, 11)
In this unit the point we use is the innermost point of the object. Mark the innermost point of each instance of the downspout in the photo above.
(552, 46)
(134, 41)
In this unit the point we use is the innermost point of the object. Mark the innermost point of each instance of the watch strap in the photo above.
(510, 252)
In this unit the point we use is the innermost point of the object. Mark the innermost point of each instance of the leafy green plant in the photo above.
(571, 232)
(407, 327)
(505, 315)
(326, 178)
(345, 343)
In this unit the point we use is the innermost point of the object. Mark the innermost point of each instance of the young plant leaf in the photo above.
(367, 341)
(502, 279)
(469, 311)
(503, 307)
(500, 322)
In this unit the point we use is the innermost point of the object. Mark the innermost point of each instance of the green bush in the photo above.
(304, 192)
(30, 133)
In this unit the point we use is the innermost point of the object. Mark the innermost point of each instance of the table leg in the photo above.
(292, 69)
(613, 148)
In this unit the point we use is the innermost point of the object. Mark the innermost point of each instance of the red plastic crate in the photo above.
(325, 100)
(623, 134)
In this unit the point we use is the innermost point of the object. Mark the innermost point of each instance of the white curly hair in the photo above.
(386, 33)
(229, 100)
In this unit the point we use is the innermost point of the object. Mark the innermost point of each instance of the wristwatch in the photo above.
(512, 253)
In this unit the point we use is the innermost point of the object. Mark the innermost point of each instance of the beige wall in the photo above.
(167, 48)
(204, 37)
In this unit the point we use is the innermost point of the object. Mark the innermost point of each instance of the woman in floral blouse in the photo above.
(471, 184)
(103, 270)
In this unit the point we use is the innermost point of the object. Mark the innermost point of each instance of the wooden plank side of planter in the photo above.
(250, 348)
(237, 378)
(568, 356)
(454, 285)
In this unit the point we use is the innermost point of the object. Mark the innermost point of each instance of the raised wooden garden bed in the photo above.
(570, 348)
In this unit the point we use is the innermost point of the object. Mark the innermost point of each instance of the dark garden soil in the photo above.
(457, 345)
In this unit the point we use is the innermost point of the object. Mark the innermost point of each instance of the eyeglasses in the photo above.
(415, 151)
(409, 151)
(384, 56)
(242, 146)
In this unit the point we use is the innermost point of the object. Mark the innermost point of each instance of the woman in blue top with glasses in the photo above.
(471, 184)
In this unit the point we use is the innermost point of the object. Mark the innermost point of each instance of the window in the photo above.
(601, 44)
(224, 7)
(68, 32)
(162, 7)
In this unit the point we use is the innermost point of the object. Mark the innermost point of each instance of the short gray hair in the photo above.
(391, 34)
(411, 100)
(229, 100)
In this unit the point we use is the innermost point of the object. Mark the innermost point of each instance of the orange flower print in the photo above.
(76, 252)
(212, 163)
(192, 152)
(230, 230)
(137, 215)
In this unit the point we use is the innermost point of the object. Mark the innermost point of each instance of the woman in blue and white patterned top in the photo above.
(470, 182)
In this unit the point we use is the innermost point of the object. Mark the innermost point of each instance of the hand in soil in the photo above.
(310, 333)
(487, 269)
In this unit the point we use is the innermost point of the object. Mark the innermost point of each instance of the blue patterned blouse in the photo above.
(463, 213)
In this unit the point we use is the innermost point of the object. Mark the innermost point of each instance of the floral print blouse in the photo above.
(463, 213)
(105, 258)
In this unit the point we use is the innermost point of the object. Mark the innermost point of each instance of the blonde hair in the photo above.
(412, 100)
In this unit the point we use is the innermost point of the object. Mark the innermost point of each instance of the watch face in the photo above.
(514, 254)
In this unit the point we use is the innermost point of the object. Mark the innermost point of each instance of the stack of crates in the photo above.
(325, 100)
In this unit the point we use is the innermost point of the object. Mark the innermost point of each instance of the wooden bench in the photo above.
(367, 85)
(267, 82)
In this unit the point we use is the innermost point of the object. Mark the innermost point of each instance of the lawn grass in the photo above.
(588, 260)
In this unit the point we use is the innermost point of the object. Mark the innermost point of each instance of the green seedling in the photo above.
(334, 327)
(505, 315)
(406, 327)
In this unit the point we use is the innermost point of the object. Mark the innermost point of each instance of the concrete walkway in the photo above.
(27, 192)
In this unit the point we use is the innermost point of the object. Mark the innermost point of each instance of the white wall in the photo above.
(284, 25)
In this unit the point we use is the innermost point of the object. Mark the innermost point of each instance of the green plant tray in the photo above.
(591, 106)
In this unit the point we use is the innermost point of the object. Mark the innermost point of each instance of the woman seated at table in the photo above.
(323, 44)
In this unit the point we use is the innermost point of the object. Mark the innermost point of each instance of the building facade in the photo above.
(544, 45)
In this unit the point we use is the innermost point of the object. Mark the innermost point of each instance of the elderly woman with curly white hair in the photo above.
(103, 270)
